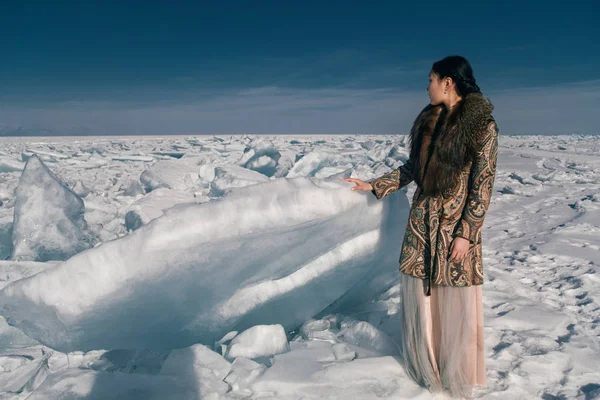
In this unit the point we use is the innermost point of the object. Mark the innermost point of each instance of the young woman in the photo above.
(454, 145)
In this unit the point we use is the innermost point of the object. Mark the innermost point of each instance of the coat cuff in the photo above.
(386, 184)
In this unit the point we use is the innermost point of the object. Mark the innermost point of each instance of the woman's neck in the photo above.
(452, 102)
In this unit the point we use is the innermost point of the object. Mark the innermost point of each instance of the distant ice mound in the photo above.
(172, 174)
(313, 162)
(227, 177)
(152, 206)
(48, 217)
(261, 156)
(278, 252)
(10, 165)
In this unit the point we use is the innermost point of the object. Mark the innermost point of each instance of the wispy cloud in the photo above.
(560, 109)
(273, 109)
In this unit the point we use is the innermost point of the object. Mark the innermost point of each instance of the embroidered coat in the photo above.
(453, 161)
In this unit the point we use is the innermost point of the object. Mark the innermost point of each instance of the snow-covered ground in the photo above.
(236, 267)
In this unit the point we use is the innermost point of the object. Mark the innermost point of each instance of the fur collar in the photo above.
(442, 145)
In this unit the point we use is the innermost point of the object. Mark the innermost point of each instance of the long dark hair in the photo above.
(459, 69)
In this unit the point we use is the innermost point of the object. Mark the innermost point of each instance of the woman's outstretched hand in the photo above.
(360, 185)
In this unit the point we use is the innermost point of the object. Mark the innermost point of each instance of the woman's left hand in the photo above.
(459, 248)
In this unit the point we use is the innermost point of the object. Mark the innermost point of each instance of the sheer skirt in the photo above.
(442, 342)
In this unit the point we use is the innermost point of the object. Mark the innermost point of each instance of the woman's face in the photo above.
(435, 89)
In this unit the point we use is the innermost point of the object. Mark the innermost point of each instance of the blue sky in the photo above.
(183, 67)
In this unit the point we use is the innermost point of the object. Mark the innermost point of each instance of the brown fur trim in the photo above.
(442, 145)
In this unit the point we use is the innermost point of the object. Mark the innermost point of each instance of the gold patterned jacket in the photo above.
(434, 220)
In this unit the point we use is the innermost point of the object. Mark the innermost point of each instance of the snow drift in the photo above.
(278, 252)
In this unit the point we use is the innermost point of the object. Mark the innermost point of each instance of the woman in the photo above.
(454, 144)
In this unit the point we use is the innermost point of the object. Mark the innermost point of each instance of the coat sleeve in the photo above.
(481, 184)
(392, 181)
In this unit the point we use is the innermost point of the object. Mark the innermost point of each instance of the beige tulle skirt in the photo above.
(442, 336)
